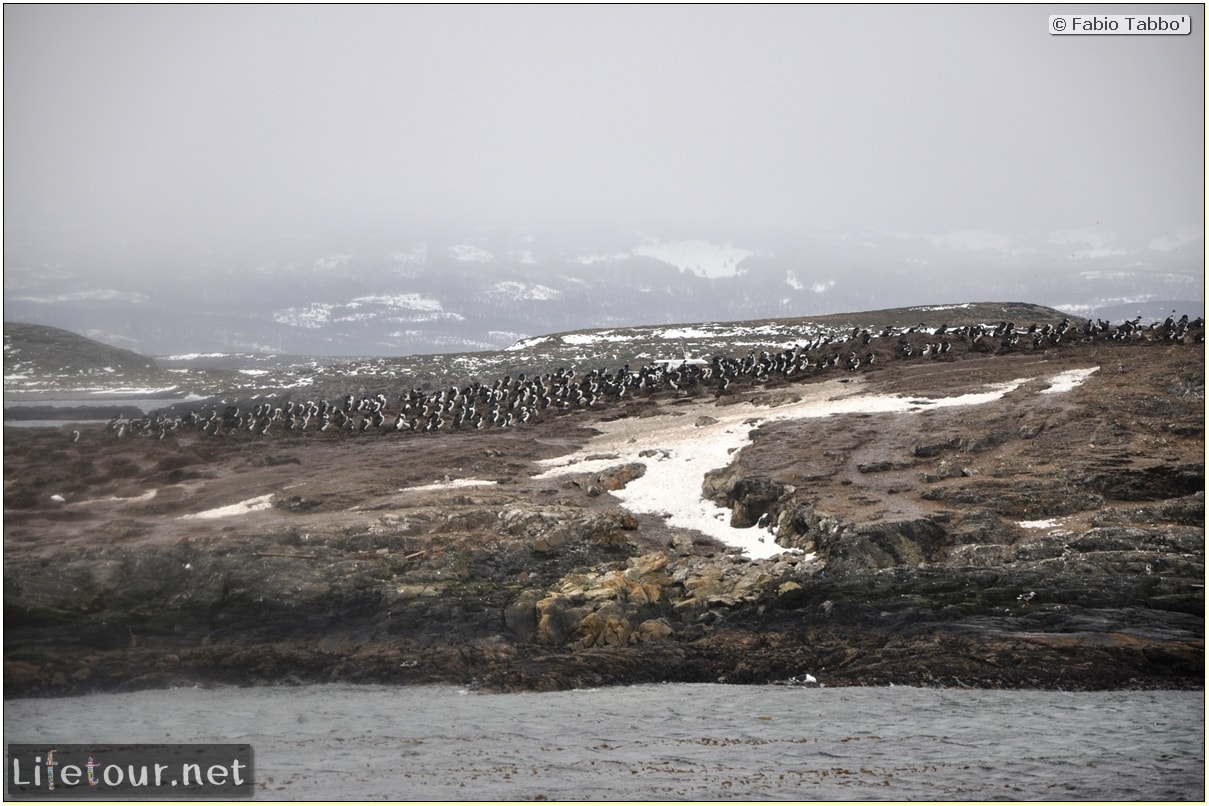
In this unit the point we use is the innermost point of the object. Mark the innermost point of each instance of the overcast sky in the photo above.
(158, 127)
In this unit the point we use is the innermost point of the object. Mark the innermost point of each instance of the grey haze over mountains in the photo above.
(406, 179)
(488, 290)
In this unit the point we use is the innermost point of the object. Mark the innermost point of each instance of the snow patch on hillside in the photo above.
(315, 315)
(415, 302)
(524, 291)
(392, 307)
(107, 295)
(939, 307)
(588, 260)
(470, 254)
(702, 258)
(416, 255)
(332, 262)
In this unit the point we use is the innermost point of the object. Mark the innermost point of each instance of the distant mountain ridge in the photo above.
(57, 350)
(488, 289)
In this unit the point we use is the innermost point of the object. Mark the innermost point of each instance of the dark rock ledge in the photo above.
(365, 607)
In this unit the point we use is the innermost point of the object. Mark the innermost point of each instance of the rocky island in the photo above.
(968, 502)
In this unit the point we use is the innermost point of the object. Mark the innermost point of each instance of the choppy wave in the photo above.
(671, 741)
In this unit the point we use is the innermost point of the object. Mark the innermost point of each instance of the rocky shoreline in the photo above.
(1052, 537)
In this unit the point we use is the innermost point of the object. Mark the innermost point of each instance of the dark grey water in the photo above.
(51, 423)
(101, 404)
(103, 408)
(669, 741)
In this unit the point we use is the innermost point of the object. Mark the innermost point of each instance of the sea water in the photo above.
(663, 741)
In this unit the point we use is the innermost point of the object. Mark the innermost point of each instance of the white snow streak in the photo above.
(242, 508)
(679, 452)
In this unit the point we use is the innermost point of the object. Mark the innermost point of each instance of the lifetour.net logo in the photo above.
(115, 771)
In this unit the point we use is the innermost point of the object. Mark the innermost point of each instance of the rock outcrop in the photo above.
(1044, 540)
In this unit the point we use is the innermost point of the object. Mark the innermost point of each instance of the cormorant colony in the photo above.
(514, 401)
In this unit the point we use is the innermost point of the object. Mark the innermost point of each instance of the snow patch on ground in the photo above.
(147, 496)
(449, 484)
(1065, 381)
(677, 452)
(242, 508)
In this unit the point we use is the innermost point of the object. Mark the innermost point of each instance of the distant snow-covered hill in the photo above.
(489, 289)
